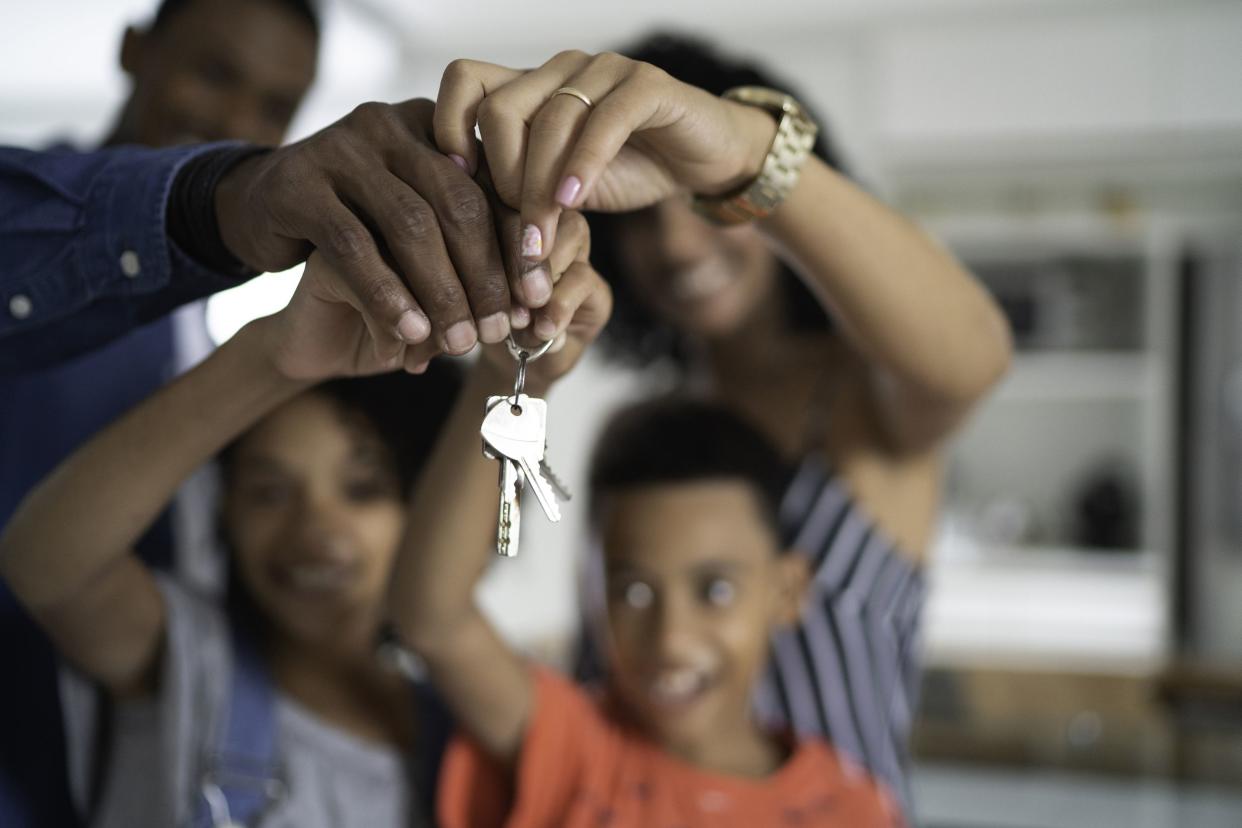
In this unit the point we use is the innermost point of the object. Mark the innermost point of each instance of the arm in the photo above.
(453, 531)
(67, 555)
(932, 336)
(67, 551)
(84, 253)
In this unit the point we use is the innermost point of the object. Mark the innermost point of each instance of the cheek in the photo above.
(380, 529)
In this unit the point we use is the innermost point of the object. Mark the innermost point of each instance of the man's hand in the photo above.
(410, 236)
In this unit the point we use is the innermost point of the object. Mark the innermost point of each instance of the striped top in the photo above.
(850, 670)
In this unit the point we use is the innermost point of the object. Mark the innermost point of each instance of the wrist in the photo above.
(228, 195)
(755, 130)
(259, 342)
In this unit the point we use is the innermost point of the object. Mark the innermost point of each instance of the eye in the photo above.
(719, 592)
(365, 490)
(638, 595)
(266, 494)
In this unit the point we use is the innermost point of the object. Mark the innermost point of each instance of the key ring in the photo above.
(523, 357)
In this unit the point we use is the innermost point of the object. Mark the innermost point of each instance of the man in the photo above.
(94, 244)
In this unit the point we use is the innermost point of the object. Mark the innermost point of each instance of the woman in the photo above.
(851, 339)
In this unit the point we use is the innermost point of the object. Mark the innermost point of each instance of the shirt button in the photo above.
(130, 264)
(20, 306)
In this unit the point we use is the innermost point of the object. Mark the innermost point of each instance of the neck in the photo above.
(121, 132)
(746, 751)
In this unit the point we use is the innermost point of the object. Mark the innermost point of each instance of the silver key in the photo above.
(558, 486)
(509, 519)
(518, 432)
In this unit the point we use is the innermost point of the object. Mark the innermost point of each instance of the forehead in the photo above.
(270, 42)
(311, 429)
(674, 526)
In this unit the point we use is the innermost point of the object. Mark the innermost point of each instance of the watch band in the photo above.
(795, 135)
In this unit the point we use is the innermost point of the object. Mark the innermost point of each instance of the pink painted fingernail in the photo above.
(461, 162)
(537, 286)
(460, 338)
(413, 327)
(519, 317)
(532, 242)
(567, 193)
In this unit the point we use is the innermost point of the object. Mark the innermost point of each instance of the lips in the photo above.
(317, 578)
(674, 690)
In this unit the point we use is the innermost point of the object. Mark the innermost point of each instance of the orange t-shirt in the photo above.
(577, 768)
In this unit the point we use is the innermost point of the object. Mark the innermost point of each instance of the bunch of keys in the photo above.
(515, 432)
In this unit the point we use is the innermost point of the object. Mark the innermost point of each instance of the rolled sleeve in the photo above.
(84, 251)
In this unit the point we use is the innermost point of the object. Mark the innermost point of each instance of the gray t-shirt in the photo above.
(153, 775)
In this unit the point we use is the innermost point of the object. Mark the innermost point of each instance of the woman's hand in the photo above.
(578, 310)
(644, 137)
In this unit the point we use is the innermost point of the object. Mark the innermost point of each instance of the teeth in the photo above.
(677, 685)
(317, 576)
(700, 281)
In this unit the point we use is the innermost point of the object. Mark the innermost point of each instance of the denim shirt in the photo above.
(87, 280)
(84, 255)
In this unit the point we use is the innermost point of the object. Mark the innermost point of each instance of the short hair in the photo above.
(305, 9)
(634, 334)
(676, 439)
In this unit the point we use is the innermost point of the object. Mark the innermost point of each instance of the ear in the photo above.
(793, 582)
(133, 47)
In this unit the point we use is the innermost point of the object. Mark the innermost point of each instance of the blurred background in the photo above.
(1084, 631)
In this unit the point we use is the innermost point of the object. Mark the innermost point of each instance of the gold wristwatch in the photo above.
(795, 135)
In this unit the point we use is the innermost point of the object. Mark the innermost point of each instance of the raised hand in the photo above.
(410, 236)
(643, 137)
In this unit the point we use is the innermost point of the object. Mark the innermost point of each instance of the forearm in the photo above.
(90, 510)
(452, 523)
(900, 299)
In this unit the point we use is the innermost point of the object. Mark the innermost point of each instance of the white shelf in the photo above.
(1032, 606)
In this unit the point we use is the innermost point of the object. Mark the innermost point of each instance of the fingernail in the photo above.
(545, 328)
(460, 338)
(537, 286)
(420, 368)
(413, 327)
(532, 242)
(559, 344)
(519, 317)
(567, 193)
(461, 162)
(494, 328)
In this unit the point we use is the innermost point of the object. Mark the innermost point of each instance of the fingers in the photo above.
(392, 316)
(463, 87)
(529, 288)
(580, 306)
(554, 132)
(465, 217)
(411, 234)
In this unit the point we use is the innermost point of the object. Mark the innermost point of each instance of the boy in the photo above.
(684, 497)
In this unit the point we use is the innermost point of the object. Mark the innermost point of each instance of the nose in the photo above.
(674, 633)
(320, 531)
(683, 238)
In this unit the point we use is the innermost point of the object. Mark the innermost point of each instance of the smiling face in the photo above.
(706, 281)
(314, 514)
(224, 69)
(696, 585)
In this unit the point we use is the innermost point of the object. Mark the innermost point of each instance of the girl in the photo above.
(274, 710)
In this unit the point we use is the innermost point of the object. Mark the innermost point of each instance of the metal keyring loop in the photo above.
(517, 350)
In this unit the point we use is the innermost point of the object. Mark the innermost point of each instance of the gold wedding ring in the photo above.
(577, 93)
